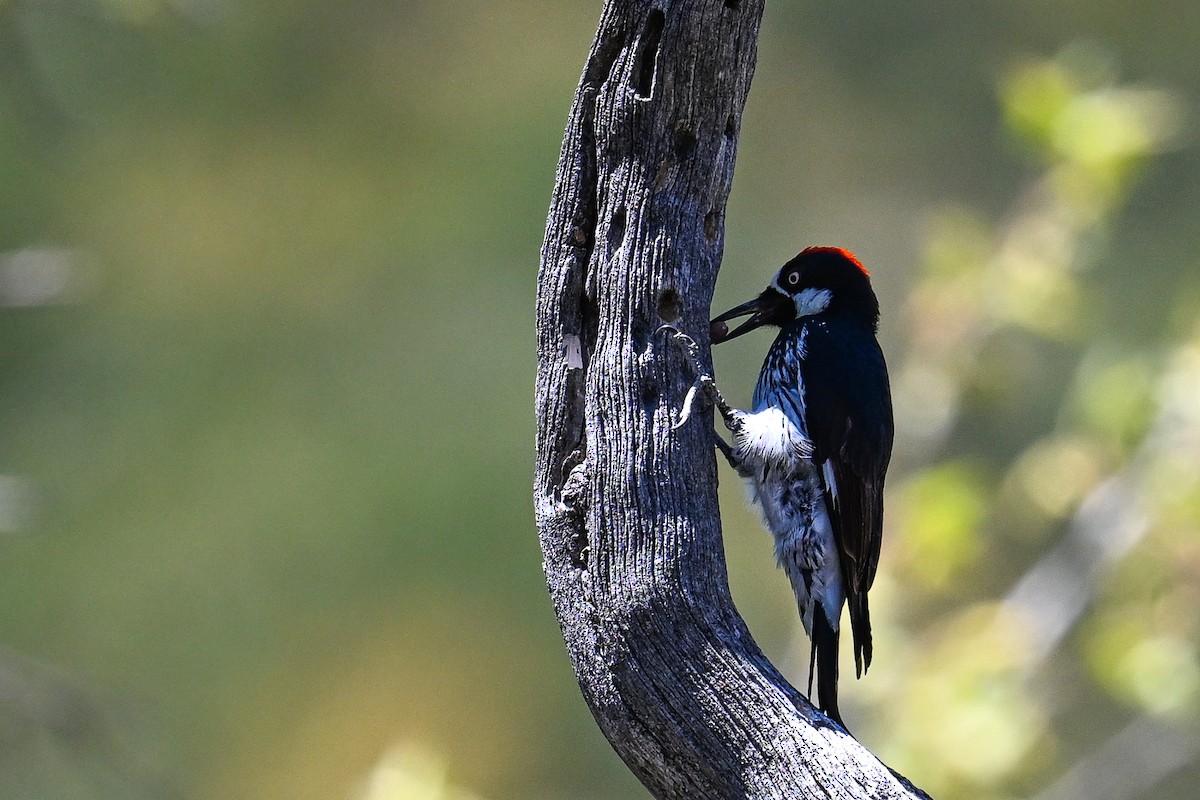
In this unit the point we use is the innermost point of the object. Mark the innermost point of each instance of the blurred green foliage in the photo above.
(266, 280)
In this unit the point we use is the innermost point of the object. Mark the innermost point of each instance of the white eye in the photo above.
(793, 278)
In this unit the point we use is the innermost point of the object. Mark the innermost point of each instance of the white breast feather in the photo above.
(768, 435)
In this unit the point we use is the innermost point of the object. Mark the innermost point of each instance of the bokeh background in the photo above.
(266, 363)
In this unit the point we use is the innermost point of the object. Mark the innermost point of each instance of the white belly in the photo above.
(787, 486)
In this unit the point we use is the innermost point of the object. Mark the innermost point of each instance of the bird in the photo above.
(815, 444)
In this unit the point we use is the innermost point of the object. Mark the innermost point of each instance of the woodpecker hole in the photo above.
(730, 126)
(670, 306)
(645, 65)
(616, 229)
(579, 551)
(574, 501)
(712, 224)
(589, 317)
(599, 68)
(651, 396)
(685, 144)
(732, 5)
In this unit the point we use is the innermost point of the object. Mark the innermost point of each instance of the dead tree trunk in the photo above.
(626, 508)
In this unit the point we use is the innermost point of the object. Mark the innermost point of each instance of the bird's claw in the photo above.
(692, 351)
(706, 384)
(690, 348)
(685, 413)
(704, 381)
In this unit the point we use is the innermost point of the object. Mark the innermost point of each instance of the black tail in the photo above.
(825, 658)
(860, 626)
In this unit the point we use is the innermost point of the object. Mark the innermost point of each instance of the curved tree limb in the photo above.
(626, 507)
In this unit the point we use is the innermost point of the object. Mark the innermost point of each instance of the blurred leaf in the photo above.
(411, 772)
(936, 518)
(968, 668)
(1055, 475)
(1113, 396)
(1160, 672)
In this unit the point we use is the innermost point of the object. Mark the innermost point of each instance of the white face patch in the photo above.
(812, 301)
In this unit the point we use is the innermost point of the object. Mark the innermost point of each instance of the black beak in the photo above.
(769, 308)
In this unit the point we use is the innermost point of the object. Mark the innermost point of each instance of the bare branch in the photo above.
(627, 507)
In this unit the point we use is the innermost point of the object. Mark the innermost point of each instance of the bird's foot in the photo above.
(731, 456)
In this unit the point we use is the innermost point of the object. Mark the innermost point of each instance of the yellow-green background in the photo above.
(266, 367)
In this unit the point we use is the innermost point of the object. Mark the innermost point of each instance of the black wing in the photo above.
(849, 409)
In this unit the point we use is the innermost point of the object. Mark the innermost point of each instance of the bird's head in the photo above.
(820, 280)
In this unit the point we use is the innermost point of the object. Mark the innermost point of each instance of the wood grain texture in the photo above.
(627, 508)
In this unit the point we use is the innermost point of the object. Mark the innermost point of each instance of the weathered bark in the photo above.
(626, 507)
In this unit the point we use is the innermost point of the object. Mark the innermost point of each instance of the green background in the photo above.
(266, 367)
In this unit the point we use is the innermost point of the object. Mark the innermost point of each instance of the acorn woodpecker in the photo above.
(815, 445)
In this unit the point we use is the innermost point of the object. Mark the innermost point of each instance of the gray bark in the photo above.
(627, 508)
